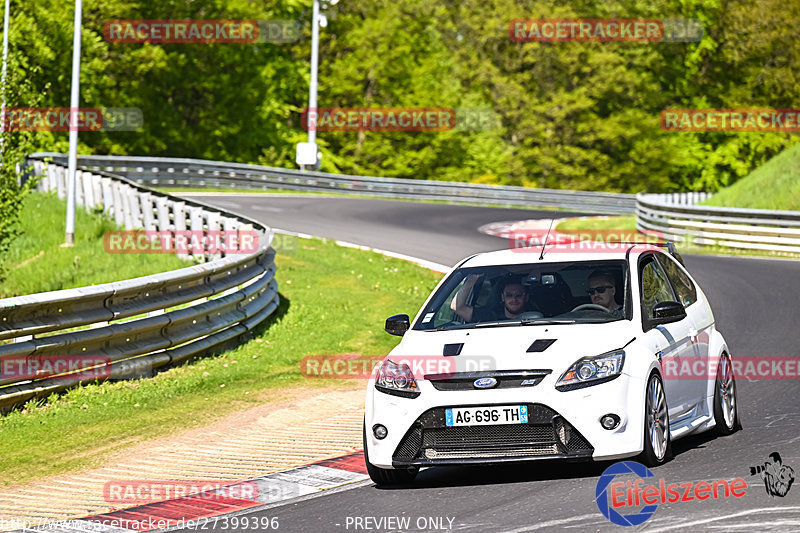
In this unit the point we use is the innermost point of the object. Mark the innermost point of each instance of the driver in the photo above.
(602, 289)
(513, 295)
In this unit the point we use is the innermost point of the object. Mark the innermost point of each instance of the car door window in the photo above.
(445, 315)
(479, 296)
(684, 288)
(654, 287)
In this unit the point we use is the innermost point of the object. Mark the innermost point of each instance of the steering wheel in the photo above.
(593, 307)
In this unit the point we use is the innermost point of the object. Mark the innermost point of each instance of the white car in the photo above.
(511, 359)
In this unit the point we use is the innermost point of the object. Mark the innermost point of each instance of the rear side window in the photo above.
(684, 288)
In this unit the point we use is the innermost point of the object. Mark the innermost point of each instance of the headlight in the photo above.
(592, 370)
(397, 380)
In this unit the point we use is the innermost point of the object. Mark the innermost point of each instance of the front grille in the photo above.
(530, 451)
(486, 435)
(506, 379)
(547, 434)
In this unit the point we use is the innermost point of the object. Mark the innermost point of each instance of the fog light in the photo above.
(609, 421)
(379, 431)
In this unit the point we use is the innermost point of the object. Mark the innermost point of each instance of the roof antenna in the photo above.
(541, 255)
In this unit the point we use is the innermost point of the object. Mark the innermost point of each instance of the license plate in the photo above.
(486, 416)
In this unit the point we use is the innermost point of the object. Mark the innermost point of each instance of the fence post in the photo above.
(97, 191)
(196, 221)
(61, 186)
(127, 210)
(179, 218)
(229, 226)
(88, 191)
(136, 208)
(79, 200)
(108, 195)
(215, 237)
(116, 203)
(162, 208)
(148, 220)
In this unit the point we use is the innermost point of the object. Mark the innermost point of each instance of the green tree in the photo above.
(569, 115)
(15, 183)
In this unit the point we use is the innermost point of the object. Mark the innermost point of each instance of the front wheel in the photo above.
(726, 408)
(657, 446)
(384, 477)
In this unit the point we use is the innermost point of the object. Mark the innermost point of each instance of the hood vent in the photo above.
(453, 349)
(540, 345)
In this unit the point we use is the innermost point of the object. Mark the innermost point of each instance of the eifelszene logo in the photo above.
(640, 502)
(778, 477)
(607, 505)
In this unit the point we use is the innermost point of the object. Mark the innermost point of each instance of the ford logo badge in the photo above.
(485, 383)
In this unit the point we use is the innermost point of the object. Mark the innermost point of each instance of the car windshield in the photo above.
(529, 294)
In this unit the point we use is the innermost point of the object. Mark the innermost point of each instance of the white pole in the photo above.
(3, 80)
(312, 88)
(74, 102)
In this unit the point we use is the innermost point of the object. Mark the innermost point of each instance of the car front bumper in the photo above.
(546, 435)
(561, 425)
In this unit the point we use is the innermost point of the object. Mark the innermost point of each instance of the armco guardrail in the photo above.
(171, 172)
(751, 229)
(128, 328)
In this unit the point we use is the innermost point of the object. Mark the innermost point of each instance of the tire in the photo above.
(726, 405)
(657, 446)
(384, 477)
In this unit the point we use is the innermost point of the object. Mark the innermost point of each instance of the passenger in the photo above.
(513, 295)
(602, 289)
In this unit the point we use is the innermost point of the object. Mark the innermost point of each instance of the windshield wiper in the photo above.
(502, 323)
(544, 321)
(497, 323)
(449, 327)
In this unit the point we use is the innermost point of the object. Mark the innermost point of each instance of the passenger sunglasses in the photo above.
(599, 290)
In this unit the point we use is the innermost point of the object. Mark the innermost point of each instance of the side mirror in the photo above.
(668, 312)
(397, 325)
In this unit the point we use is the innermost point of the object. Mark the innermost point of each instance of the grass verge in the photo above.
(622, 224)
(36, 261)
(334, 300)
(773, 185)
